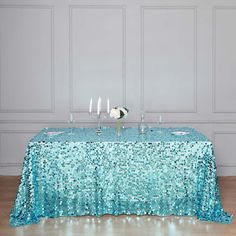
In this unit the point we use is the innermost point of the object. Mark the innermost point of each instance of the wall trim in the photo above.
(119, 7)
(142, 107)
(226, 166)
(14, 164)
(213, 69)
(227, 122)
(52, 82)
(22, 131)
(214, 133)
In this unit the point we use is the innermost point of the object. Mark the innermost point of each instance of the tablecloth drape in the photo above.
(78, 173)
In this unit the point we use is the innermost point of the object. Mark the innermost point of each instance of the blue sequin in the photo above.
(78, 173)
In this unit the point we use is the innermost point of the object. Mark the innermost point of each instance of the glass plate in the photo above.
(53, 133)
(179, 133)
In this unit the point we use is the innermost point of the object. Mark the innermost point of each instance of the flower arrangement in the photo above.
(118, 113)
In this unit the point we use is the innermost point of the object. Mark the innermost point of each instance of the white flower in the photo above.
(118, 112)
(115, 113)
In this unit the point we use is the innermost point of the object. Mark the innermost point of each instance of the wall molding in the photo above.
(111, 7)
(213, 69)
(52, 82)
(226, 166)
(13, 164)
(170, 121)
(142, 80)
(214, 133)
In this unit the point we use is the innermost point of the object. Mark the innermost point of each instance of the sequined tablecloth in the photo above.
(78, 173)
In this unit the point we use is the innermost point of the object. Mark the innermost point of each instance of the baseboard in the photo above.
(10, 170)
(226, 170)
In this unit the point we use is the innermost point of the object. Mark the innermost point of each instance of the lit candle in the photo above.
(99, 106)
(90, 105)
(108, 106)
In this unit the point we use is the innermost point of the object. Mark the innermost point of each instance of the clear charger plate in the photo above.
(51, 133)
(179, 133)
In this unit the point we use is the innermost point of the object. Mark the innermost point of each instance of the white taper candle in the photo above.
(99, 106)
(108, 106)
(90, 105)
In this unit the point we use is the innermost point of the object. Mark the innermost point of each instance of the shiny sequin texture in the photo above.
(78, 173)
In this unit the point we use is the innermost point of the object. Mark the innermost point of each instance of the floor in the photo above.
(119, 226)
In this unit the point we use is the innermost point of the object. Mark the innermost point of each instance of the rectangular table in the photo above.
(78, 173)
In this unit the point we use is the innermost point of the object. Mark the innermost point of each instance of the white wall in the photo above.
(174, 57)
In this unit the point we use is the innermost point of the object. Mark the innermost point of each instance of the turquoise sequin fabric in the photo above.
(78, 173)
